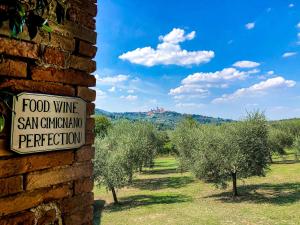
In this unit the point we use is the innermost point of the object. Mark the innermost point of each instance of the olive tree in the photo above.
(102, 124)
(127, 147)
(227, 152)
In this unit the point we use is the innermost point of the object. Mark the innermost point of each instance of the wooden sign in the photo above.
(47, 122)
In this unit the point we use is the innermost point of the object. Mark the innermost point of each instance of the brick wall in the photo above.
(53, 187)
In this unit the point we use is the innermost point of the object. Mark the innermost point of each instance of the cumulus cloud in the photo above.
(188, 89)
(250, 26)
(289, 54)
(298, 25)
(129, 97)
(169, 52)
(189, 105)
(226, 74)
(291, 5)
(246, 64)
(112, 89)
(100, 94)
(272, 83)
(111, 80)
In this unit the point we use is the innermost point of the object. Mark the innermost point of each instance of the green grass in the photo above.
(162, 196)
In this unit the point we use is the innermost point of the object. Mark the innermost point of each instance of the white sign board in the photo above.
(47, 122)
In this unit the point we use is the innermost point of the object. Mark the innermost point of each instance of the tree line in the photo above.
(213, 153)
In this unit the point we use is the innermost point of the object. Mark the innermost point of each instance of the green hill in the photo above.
(162, 119)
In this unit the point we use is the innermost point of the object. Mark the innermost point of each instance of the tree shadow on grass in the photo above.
(98, 208)
(145, 200)
(278, 194)
(157, 172)
(163, 182)
(286, 162)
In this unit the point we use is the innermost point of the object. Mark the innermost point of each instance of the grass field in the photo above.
(162, 196)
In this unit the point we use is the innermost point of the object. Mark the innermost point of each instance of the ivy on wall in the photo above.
(30, 13)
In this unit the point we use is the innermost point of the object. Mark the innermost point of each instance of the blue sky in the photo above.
(210, 57)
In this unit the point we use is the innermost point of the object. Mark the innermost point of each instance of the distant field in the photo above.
(163, 196)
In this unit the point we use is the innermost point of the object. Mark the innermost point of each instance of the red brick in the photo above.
(87, 49)
(55, 57)
(80, 217)
(83, 64)
(38, 87)
(18, 48)
(90, 124)
(13, 68)
(83, 185)
(87, 6)
(90, 109)
(64, 76)
(78, 16)
(70, 205)
(25, 164)
(11, 185)
(89, 138)
(58, 41)
(26, 218)
(85, 153)
(29, 200)
(56, 176)
(86, 94)
(48, 217)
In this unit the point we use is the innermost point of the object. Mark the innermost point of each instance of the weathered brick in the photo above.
(87, 6)
(12, 68)
(85, 153)
(83, 64)
(55, 57)
(18, 48)
(87, 94)
(64, 76)
(89, 138)
(73, 30)
(37, 86)
(11, 185)
(4, 148)
(83, 185)
(27, 200)
(24, 164)
(70, 205)
(26, 218)
(87, 49)
(90, 109)
(56, 176)
(76, 15)
(57, 41)
(90, 124)
(80, 217)
(48, 217)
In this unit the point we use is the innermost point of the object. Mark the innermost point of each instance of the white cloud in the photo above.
(271, 72)
(250, 26)
(129, 97)
(291, 5)
(109, 80)
(112, 89)
(246, 64)
(188, 89)
(169, 52)
(226, 74)
(272, 83)
(189, 105)
(100, 94)
(289, 54)
(130, 91)
(298, 25)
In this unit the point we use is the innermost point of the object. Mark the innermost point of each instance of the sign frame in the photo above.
(15, 97)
